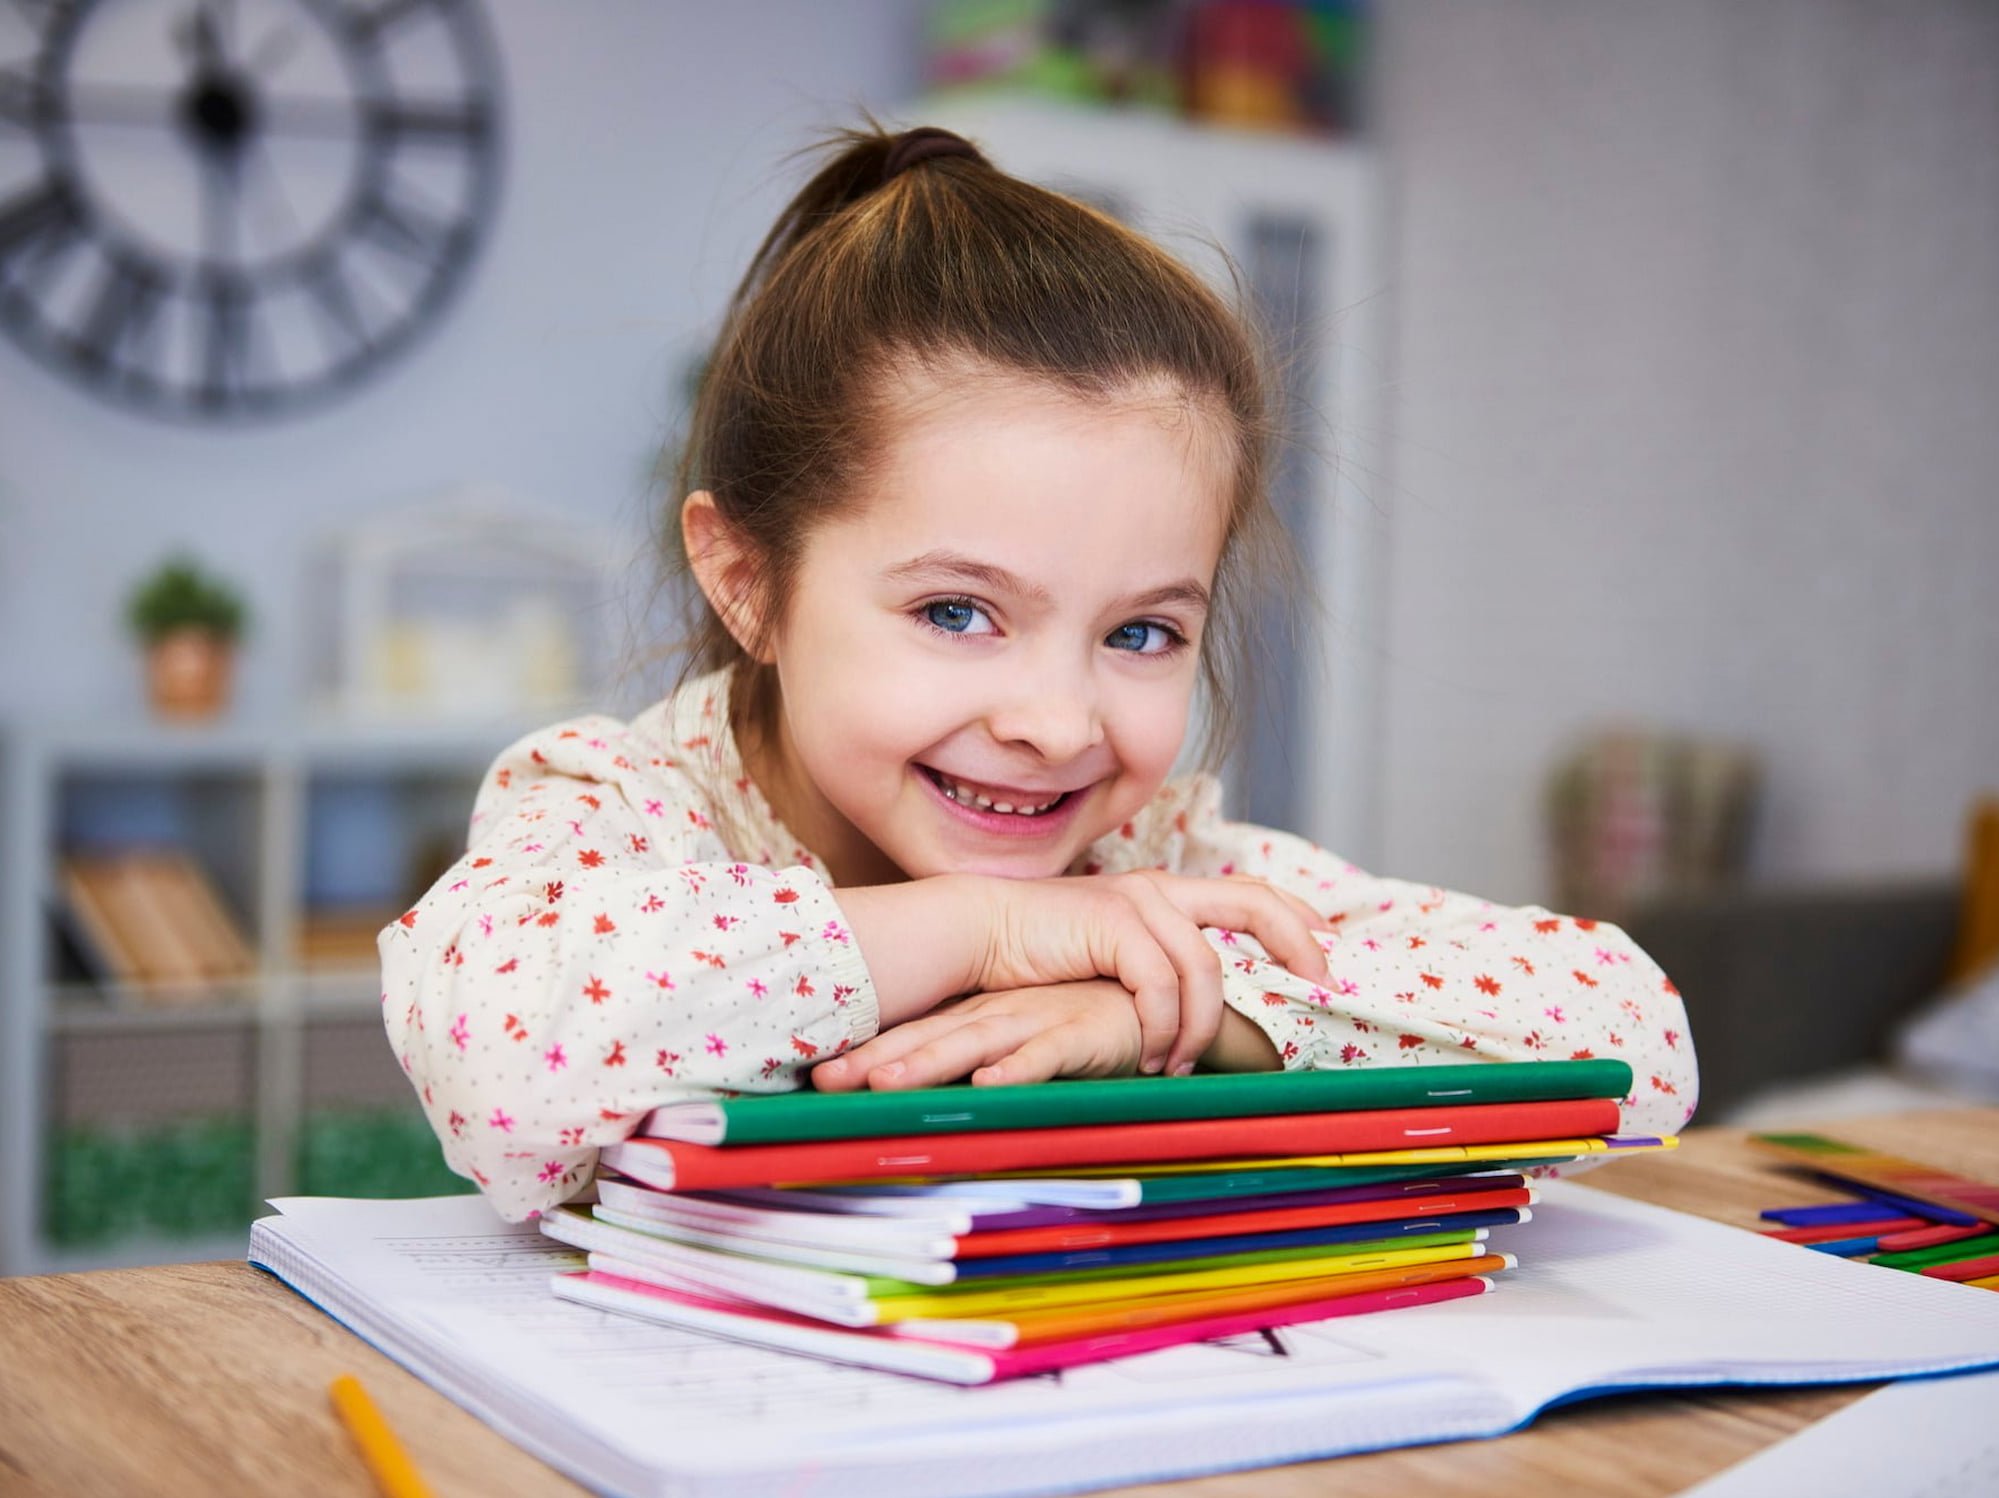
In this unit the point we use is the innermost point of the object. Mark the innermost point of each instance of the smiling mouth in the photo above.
(1003, 803)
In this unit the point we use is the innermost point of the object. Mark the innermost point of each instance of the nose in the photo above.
(1054, 712)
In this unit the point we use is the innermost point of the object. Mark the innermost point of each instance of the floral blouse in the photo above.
(631, 925)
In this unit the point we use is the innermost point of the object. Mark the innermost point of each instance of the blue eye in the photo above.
(1142, 639)
(956, 616)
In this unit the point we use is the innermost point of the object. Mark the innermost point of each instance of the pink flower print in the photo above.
(1406, 997)
(456, 1123)
(1372, 945)
(696, 819)
(660, 981)
(1319, 996)
(1533, 1040)
(833, 931)
(637, 843)
(841, 993)
(1385, 905)
(1605, 957)
(552, 1171)
(500, 1121)
(1554, 1012)
(1615, 1039)
(1524, 965)
(655, 807)
(666, 1061)
(554, 1057)
(461, 884)
(653, 905)
(717, 1046)
(485, 925)
(725, 922)
(756, 987)
(531, 847)
(597, 743)
(1350, 1053)
(575, 828)
(1226, 937)
(508, 966)
(573, 1135)
(461, 1033)
(1290, 1052)
(740, 872)
(770, 1068)
(1488, 925)
(1346, 987)
(1672, 1040)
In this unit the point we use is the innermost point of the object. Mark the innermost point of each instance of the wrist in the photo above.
(1241, 1046)
(922, 941)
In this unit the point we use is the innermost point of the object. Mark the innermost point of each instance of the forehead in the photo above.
(1007, 466)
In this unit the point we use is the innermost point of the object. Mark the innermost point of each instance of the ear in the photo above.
(727, 571)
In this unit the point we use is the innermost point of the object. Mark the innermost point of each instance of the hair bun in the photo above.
(922, 144)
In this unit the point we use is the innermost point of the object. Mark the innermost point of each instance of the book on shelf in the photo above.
(153, 920)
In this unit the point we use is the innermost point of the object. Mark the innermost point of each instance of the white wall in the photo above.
(1696, 375)
(1698, 414)
(645, 146)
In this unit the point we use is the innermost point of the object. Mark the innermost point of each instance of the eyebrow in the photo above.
(1186, 592)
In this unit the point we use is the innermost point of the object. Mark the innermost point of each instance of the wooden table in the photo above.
(211, 1379)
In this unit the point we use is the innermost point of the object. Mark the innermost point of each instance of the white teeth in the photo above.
(966, 797)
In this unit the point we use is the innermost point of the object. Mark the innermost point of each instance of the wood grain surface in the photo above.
(211, 1379)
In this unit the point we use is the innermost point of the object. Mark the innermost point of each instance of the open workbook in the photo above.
(1611, 1295)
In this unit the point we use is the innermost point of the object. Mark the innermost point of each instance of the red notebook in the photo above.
(673, 1166)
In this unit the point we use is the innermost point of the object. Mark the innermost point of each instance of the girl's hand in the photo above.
(1143, 929)
(1087, 1029)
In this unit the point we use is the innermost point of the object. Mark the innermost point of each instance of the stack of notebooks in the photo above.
(978, 1234)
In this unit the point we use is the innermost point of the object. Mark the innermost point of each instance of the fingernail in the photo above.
(893, 1069)
(1152, 1068)
(1184, 1069)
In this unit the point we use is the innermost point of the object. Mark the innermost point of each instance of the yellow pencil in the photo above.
(1990, 1282)
(395, 1473)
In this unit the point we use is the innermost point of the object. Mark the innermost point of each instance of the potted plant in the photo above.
(189, 623)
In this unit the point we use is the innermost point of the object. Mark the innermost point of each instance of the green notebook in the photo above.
(773, 1118)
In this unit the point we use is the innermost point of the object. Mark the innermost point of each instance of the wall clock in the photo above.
(219, 209)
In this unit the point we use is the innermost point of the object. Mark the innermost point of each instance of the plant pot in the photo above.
(188, 673)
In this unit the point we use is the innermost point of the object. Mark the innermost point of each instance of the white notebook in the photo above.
(1609, 1295)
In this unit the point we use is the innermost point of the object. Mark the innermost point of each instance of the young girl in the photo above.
(975, 490)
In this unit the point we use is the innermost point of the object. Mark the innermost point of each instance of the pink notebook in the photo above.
(871, 1348)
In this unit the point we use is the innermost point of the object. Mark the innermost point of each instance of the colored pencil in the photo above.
(394, 1472)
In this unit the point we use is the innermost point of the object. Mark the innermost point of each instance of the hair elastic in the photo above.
(923, 143)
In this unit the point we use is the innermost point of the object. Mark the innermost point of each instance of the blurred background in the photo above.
(1644, 373)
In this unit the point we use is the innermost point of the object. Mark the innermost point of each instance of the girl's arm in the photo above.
(594, 954)
(1424, 975)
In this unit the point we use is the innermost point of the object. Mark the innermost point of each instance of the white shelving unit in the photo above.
(1301, 219)
(268, 773)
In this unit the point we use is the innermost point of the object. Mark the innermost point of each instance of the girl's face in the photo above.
(990, 663)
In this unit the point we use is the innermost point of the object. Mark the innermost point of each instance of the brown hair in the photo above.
(908, 249)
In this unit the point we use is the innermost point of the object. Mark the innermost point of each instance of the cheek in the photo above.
(1147, 730)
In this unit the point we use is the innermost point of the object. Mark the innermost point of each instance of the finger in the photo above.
(1129, 952)
(1043, 1057)
(851, 1069)
(1198, 967)
(1282, 926)
(953, 1054)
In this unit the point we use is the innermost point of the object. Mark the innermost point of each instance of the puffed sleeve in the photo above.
(596, 953)
(1421, 975)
